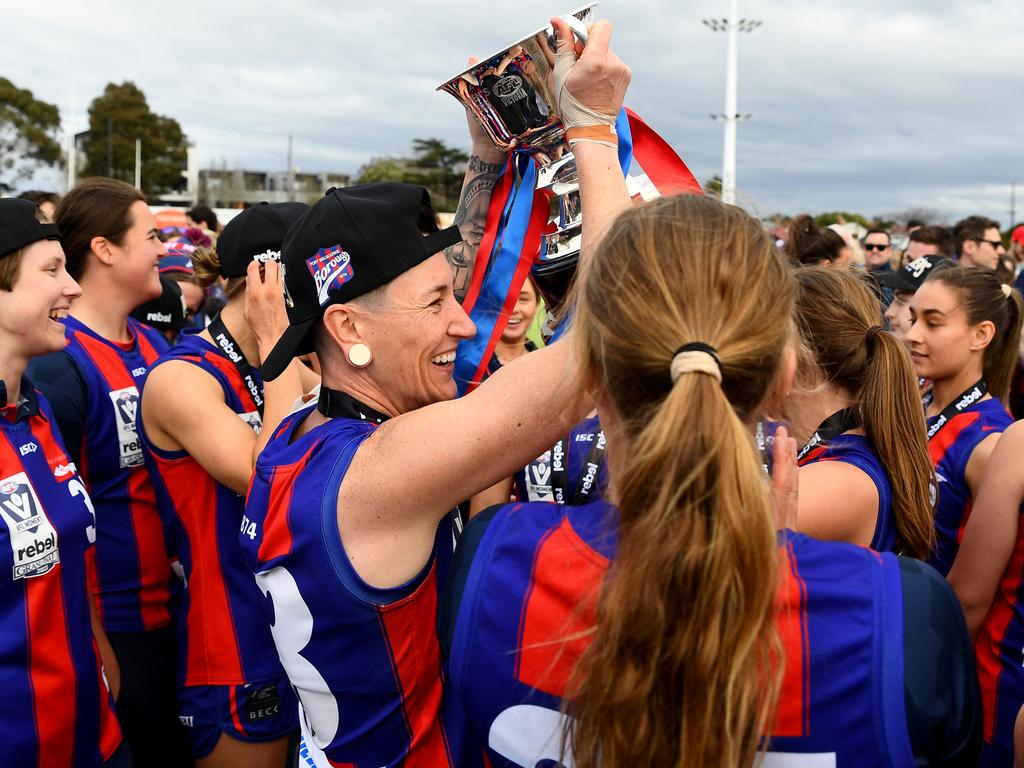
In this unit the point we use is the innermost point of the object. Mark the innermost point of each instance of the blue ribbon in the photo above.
(504, 258)
(501, 268)
(625, 160)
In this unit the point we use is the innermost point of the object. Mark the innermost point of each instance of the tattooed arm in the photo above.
(485, 163)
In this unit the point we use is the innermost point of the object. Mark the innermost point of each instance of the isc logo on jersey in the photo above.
(331, 268)
(126, 408)
(33, 538)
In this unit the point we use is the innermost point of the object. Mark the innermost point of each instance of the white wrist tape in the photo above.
(573, 113)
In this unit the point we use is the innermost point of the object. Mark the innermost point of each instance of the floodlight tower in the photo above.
(732, 26)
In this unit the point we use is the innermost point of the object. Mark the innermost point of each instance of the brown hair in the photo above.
(810, 245)
(10, 264)
(683, 666)
(971, 228)
(835, 310)
(934, 235)
(981, 296)
(206, 266)
(96, 207)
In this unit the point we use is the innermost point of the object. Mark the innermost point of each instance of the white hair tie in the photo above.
(1007, 289)
(696, 357)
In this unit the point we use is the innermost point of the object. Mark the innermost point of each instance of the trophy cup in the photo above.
(510, 95)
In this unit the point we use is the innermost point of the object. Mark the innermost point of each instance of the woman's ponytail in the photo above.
(895, 425)
(1006, 354)
(838, 316)
(683, 669)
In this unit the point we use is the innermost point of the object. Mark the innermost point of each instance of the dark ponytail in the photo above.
(809, 245)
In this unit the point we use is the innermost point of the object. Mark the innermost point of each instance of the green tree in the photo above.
(713, 186)
(382, 169)
(120, 116)
(28, 133)
(440, 162)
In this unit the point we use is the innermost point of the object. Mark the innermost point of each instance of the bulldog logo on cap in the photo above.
(331, 268)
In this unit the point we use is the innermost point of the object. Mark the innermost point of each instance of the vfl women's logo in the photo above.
(32, 535)
(331, 268)
(126, 408)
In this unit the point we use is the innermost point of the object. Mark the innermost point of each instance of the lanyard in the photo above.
(336, 404)
(961, 403)
(831, 428)
(233, 351)
(587, 481)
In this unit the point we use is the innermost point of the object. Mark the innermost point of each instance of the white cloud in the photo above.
(862, 105)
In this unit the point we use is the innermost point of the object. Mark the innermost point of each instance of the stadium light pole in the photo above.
(732, 26)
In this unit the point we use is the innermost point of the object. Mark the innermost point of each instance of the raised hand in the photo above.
(264, 304)
(590, 86)
(785, 484)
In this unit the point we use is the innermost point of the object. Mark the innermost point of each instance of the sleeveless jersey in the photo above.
(223, 636)
(534, 579)
(55, 710)
(857, 451)
(950, 450)
(999, 647)
(364, 661)
(574, 455)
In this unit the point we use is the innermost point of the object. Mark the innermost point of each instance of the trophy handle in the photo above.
(578, 27)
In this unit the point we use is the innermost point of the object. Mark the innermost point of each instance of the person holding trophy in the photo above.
(348, 526)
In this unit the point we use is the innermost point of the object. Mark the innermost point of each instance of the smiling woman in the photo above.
(95, 383)
(64, 708)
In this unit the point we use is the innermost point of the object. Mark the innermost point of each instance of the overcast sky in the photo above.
(874, 106)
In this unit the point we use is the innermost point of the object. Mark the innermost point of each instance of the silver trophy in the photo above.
(510, 94)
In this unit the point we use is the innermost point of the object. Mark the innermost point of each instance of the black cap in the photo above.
(18, 226)
(255, 234)
(909, 278)
(167, 312)
(352, 241)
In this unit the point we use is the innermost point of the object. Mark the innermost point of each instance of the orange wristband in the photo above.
(600, 133)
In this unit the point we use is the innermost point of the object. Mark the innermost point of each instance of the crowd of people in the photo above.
(752, 500)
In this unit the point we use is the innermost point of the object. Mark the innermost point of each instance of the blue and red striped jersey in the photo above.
(950, 450)
(364, 661)
(529, 597)
(55, 710)
(999, 647)
(856, 450)
(573, 456)
(133, 571)
(223, 635)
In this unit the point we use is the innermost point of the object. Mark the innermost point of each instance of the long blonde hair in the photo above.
(684, 665)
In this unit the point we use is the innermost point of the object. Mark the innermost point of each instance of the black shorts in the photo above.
(147, 705)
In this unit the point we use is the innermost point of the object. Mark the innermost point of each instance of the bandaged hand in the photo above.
(589, 90)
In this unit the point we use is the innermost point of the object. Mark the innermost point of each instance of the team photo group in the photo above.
(599, 470)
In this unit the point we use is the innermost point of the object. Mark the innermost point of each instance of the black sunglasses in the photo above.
(874, 247)
(993, 243)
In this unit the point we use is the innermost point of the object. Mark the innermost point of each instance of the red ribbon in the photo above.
(660, 162)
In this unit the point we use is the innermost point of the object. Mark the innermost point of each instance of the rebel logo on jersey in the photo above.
(33, 538)
(126, 407)
(331, 268)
